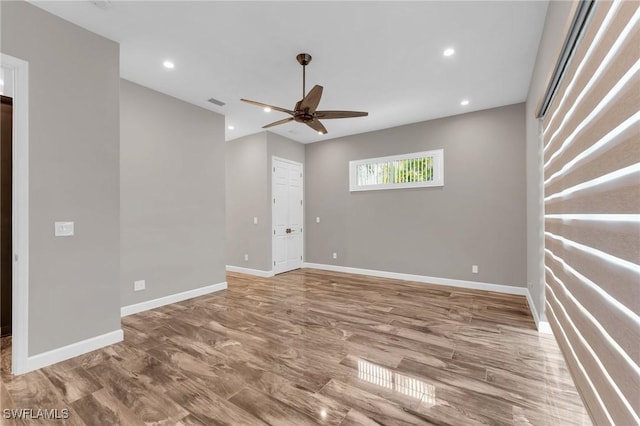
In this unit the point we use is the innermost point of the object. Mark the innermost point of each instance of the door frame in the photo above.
(20, 213)
(273, 240)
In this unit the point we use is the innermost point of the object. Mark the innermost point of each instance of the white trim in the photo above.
(73, 350)
(544, 327)
(173, 298)
(499, 288)
(541, 326)
(20, 214)
(249, 271)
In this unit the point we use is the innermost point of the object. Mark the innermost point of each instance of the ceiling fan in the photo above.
(305, 110)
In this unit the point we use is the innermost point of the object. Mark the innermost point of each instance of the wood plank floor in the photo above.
(314, 347)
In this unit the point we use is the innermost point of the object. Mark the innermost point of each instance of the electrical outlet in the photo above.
(474, 269)
(64, 229)
(318, 219)
(139, 285)
(335, 255)
(246, 257)
(255, 220)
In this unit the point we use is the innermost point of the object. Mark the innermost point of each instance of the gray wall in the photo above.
(478, 217)
(248, 168)
(73, 175)
(172, 194)
(248, 197)
(556, 24)
(286, 148)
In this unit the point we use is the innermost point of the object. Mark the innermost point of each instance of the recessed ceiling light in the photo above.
(464, 102)
(230, 127)
(320, 133)
(448, 52)
(267, 109)
(168, 64)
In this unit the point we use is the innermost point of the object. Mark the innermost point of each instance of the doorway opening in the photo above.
(14, 84)
(6, 213)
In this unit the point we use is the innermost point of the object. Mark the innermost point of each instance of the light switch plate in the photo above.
(255, 220)
(318, 219)
(64, 229)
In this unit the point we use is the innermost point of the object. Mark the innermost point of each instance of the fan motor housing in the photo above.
(303, 117)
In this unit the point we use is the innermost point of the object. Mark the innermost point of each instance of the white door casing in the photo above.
(287, 203)
(18, 70)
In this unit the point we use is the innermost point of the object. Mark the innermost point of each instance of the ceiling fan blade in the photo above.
(312, 100)
(260, 104)
(277, 123)
(340, 114)
(317, 126)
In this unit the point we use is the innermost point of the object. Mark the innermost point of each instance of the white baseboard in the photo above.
(75, 349)
(249, 271)
(544, 327)
(422, 279)
(541, 326)
(173, 298)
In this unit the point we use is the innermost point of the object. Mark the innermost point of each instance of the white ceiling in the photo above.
(381, 57)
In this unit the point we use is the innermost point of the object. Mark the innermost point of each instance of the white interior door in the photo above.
(287, 198)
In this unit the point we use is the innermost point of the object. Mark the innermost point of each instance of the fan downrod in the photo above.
(304, 59)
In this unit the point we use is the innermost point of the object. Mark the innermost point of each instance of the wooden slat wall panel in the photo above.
(620, 283)
(618, 367)
(592, 166)
(619, 110)
(622, 151)
(597, 411)
(615, 323)
(558, 110)
(615, 404)
(617, 101)
(621, 197)
(621, 239)
(553, 120)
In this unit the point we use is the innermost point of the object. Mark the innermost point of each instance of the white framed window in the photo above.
(418, 169)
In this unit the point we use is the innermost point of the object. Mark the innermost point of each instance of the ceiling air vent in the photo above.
(102, 4)
(216, 102)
